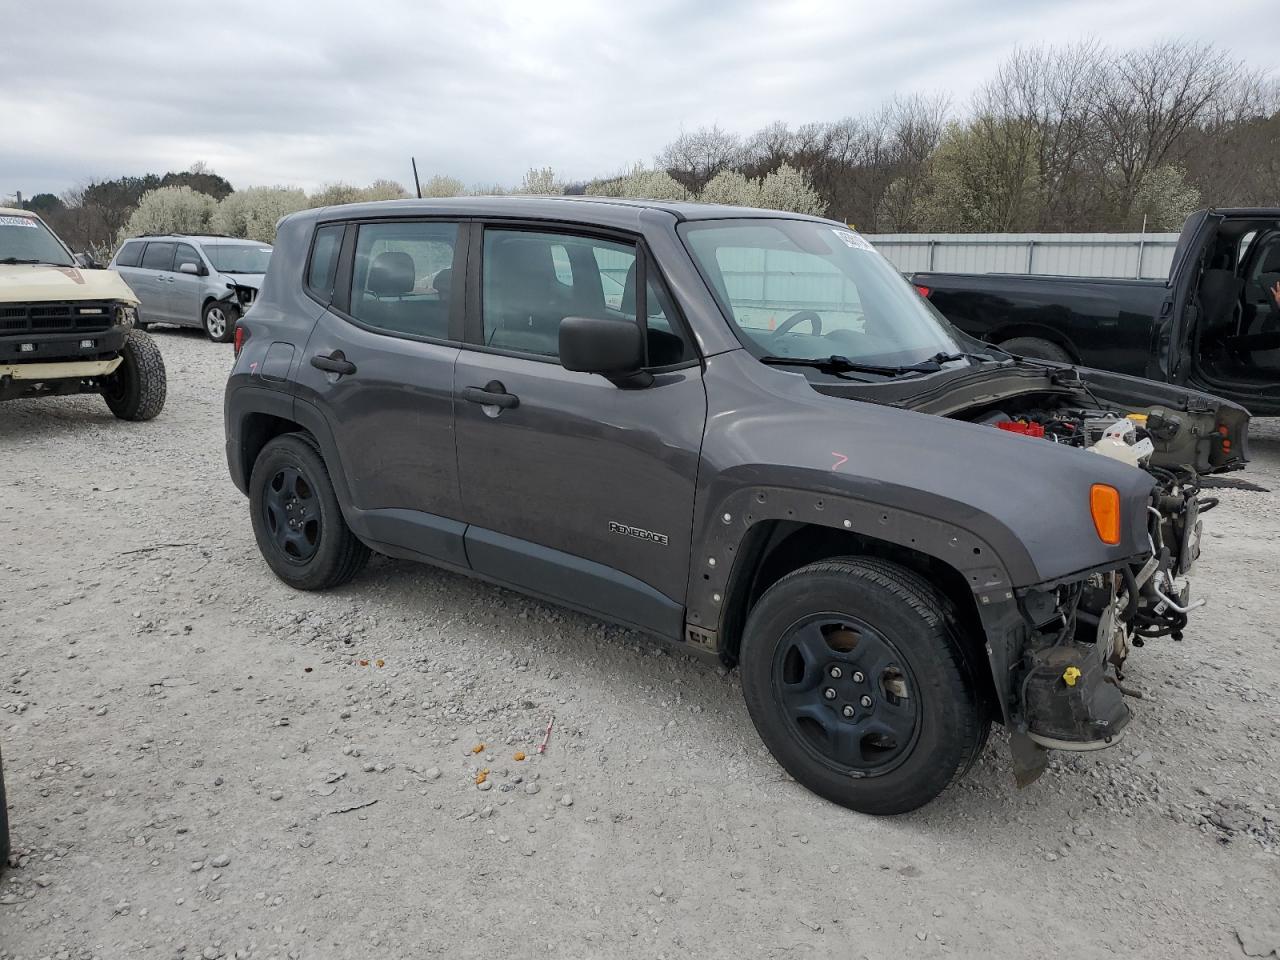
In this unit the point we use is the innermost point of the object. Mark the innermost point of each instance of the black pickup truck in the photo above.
(1213, 324)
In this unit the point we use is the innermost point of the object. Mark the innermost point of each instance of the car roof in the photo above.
(211, 238)
(14, 211)
(598, 211)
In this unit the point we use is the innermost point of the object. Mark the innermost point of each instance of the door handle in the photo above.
(336, 362)
(492, 394)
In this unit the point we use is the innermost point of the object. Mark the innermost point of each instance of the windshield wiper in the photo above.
(15, 260)
(837, 364)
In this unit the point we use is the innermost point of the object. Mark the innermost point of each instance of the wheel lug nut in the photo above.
(836, 673)
(857, 676)
(829, 693)
(848, 710)
(865, 701)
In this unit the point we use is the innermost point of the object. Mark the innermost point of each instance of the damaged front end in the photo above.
(1068, 684)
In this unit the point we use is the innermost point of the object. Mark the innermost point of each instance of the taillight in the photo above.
(922, 290)
(241, 336)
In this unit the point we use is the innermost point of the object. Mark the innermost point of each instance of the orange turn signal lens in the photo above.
(1104, 504)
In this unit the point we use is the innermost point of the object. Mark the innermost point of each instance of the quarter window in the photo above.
(129, 255)
(402, 277)
(532, 281)
(324, 260)
(159, 256)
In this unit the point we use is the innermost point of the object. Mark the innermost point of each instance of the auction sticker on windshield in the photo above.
(18, 222)
(852, 240)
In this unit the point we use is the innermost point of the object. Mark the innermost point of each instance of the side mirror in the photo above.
(191, 268)
(613, 348)
(85, 261)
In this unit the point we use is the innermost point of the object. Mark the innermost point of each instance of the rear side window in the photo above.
(129, 255)
(159, 256)
(324, 260)
(402, 277)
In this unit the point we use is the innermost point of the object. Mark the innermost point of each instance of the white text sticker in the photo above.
(17, 222)
(852, 240)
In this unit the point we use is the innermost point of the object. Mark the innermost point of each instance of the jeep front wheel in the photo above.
(859, 685)
(136, 389)
(296, 517)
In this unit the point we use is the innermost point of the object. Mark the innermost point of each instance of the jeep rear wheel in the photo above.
(296, 517)
(136, 389)
(858, 683)
(220, 321)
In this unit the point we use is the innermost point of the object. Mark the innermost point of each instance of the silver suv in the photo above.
(193, 281)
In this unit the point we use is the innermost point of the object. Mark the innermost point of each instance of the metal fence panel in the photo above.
(1136, 255)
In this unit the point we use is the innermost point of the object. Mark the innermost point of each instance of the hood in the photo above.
(41, 282)
(1028, 499)
(253, 280)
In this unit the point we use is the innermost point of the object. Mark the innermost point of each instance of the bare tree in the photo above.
(694, 158)
(1147, 103)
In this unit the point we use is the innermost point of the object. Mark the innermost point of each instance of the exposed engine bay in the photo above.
(1071, 684)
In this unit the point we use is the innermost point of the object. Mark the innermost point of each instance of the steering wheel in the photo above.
(786, 325)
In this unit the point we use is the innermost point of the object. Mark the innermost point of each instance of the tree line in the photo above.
(1074, 138)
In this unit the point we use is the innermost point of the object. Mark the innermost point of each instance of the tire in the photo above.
(219, 321)
(4, 821)
(907, 718)
(320, 552)
(1036, 349)
(137, 388)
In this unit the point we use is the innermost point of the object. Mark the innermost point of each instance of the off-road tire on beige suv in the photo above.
(136, 389)
(858, 681)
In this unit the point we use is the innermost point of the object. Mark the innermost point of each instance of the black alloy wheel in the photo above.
(292, 514)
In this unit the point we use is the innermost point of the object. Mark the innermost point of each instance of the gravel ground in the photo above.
(203, 763)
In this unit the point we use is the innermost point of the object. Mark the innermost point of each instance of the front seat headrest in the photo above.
(392, 274)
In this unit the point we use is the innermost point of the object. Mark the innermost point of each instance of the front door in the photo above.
(186, 290)
(379, 366)
(576, 489)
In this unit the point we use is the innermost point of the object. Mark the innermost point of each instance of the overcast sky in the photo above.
(305, 93)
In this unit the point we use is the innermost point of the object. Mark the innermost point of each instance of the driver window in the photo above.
(186, 254)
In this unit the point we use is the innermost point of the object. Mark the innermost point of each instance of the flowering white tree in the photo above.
(731, 188)
(443, 186)
(641, 183)
(540, 182)
(789, 189)
(253, 213)
(170, 210)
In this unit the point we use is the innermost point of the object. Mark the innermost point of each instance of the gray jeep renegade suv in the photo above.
(740, 431)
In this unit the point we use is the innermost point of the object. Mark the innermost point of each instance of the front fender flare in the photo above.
(720, 556)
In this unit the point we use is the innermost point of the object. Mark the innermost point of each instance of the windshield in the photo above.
(27, 240)
(808, 290)
(238, 257)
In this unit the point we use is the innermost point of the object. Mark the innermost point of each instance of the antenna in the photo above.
(416, 185)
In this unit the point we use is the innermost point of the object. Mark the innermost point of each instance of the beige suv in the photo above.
(67, 330)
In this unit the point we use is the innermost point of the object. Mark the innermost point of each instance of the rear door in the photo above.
(154, 276)
(126, 263)
(576, 489)
(379, 366)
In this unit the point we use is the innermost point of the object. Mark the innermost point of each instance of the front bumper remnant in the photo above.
(73, 369)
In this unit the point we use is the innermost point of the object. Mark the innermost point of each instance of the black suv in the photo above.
(740, 431)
